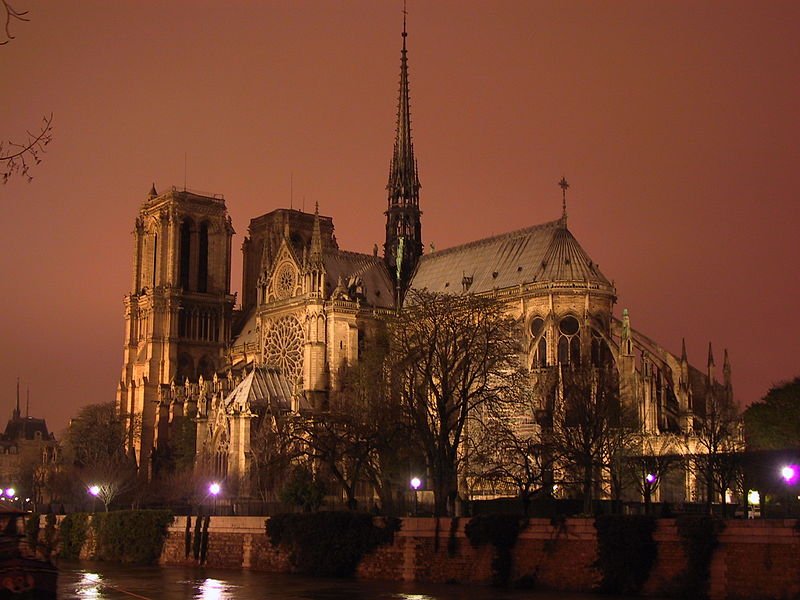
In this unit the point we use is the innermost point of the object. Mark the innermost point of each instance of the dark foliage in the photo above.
(625, 551)
(501, 531)
(131, 536)
(32, 530)
(73, 532)
(699, 538)
(329, 544)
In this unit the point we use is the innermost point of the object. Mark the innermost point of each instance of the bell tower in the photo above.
(178, 311)
(403, 245)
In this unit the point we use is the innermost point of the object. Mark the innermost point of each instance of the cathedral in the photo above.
(192, 356)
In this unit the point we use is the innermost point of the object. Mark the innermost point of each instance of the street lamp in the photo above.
(94, 491)
(415, 483)
(789, 473)
(214, 489)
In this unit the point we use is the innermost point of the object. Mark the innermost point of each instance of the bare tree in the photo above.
(273, 451)
(451, 355)
(17, 158)
(508, 453)
(651, 457)
(95, 449)
(590, 426)
(719, 444)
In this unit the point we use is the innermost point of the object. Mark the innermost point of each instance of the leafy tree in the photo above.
(773, 423)
(451, 355)
(303, 489)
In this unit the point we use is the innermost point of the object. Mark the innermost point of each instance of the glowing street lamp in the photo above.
(650, 478)
(790, 474)
(415, 485)
(11, 492)
(94, 490)
(214, 489)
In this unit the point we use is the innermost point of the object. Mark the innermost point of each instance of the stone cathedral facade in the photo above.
(307, 308)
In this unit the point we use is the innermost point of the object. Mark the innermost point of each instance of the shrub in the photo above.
(32, 530)
(699, 538)
(501, 531)
(131, 536)
(73, 530)
(625, 551)
(329, 543)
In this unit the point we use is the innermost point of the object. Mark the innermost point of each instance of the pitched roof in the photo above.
(370, 269)
(542, 253)
(262, 387)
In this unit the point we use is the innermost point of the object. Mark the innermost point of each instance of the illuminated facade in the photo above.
(309, 308)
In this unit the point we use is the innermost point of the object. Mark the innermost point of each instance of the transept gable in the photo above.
(283, 281)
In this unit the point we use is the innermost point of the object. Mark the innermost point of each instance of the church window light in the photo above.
(185, 253)
(283, 347)
(202, 264)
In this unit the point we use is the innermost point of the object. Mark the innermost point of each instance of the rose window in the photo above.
(283, 347)
(285, 281)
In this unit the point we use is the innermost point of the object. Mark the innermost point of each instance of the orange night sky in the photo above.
(676, 124)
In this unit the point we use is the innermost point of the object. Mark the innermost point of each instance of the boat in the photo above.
(24, 573)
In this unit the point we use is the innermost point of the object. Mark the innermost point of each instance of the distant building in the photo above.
(308, 308)
(28, 452)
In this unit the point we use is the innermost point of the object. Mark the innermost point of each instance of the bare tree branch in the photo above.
(17, 159)
(11, 13)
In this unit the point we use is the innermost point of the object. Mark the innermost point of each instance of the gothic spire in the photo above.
(403, 245)
(316, 239)
(403, 185)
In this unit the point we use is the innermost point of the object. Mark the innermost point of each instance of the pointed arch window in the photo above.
(569, 341)
(202, 264)
(540, 351)
(186, 253)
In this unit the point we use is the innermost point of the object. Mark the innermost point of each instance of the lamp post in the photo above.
(415, 483)
(649, 482)
(94, 491)
(214, 489)
(790, 474)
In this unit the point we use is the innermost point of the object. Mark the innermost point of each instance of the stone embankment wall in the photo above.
(755, 559)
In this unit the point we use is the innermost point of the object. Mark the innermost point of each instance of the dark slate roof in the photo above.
(542, 253)
(25, 428)
(371, 270)
(262, 387)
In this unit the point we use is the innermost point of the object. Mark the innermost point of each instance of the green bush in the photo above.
(131, 536)
(32, 530)
(501, 531)
(699, 536)
(625, 551)
(73, 532)
(329, 544)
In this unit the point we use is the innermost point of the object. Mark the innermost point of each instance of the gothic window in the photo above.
(540, 353)
(285, 281)
(186, 242)
(155, 257)
(202, 265)
(601, 355)
(569, 341)
(283, 347)
(206, 367)
(185, 368)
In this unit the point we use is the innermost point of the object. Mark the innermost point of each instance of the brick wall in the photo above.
(755, 559)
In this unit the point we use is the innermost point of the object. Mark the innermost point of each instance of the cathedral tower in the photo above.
(178, 312)
(403, 245)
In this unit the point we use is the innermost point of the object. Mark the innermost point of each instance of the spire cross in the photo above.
(563, 185)
(405, 13)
